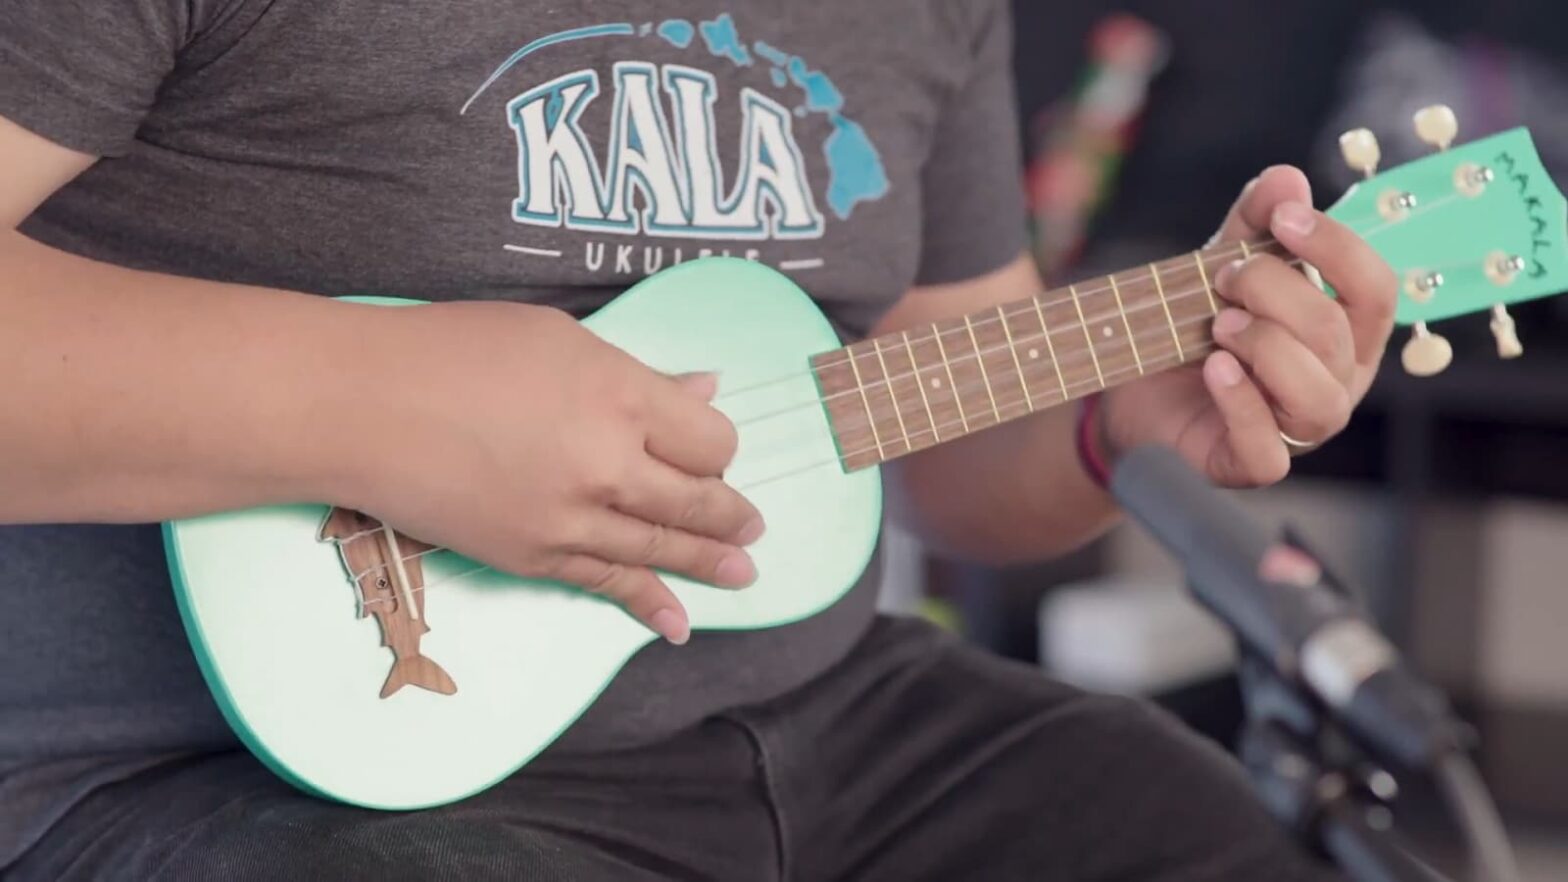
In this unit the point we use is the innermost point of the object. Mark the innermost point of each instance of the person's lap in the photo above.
(226, 817)
(917, 758)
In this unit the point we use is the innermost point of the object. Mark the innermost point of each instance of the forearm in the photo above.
(1006, 495)
(133, 396)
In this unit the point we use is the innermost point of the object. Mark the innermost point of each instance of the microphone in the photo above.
(1308, 632)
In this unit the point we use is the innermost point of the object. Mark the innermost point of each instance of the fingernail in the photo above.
(1225, 370)
(1226, 273)
(736, 570)
(672, 626)
(751, 532)
(1295, 218)
(703, 384)
(1231, 322)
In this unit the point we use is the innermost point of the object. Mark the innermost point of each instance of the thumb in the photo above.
(1249, 217)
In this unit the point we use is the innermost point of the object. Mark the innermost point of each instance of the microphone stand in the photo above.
(1314, 781)
(1325, 694)
(1316, 789)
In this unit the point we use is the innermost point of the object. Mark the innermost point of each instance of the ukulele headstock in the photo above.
(1468, 229)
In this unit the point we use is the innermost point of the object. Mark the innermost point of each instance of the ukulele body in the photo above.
(289, 647)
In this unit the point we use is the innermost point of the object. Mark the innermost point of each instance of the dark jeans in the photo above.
(915, 759)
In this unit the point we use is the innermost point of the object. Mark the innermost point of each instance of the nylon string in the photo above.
(1379, 225)
(1159, 363)
(1170, 360)
(1083, 291)
(976, 355)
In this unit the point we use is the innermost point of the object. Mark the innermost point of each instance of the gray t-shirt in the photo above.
(542, 152)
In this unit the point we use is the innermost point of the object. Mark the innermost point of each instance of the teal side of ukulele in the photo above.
(273, 617)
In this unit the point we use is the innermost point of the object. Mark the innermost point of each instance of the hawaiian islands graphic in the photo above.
(855, 169)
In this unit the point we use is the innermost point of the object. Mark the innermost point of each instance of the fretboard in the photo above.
(890, 396)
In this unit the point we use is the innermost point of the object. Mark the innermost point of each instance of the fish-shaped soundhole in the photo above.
(386, 569)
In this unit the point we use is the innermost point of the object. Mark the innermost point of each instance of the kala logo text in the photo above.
(672, 160)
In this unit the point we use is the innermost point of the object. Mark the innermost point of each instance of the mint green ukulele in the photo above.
(364, 666)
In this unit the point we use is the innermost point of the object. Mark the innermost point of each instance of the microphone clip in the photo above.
(1310, 775)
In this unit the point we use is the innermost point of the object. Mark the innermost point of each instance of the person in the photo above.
(183, 181)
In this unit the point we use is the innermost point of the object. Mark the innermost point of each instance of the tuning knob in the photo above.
(1426, 353)
(1508, 345)
(1360, 150)
(1436, 125)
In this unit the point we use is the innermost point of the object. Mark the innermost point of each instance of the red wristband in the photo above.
(1088, 431)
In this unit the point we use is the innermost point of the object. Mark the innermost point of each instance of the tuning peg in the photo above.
(1436, 125)
(1426, 353)
(1421, 285)
(1508, 345)
(1502, 268)
(1472, 180)
(1360, 150)
(1395, 206)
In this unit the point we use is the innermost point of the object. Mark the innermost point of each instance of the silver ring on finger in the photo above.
(1296, 445)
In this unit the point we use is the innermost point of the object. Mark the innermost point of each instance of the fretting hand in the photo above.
(1292, 364)
(515, 436)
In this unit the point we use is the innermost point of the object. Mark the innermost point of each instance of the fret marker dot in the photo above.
(936, 383)
(1105, 331)
(1034, 353)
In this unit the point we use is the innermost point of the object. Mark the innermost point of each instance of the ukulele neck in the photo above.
(893, 395)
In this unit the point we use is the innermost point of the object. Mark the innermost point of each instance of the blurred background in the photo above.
(1446, 501)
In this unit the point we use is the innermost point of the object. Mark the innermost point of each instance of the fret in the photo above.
(852, 392)
(1084, 324)
(837, 385)
(985, 377)
(1012, 347)
(1051, 348)
(1165, 305)
(1189, 312)
(1132, 339)
(936, 383)
(1246, 250)
(909, 349)
(990, 332)
(1208, 289)
(876, 436)
(958, 400)
(892, 394)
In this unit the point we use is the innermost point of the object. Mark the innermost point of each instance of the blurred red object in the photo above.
(1078, 143)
